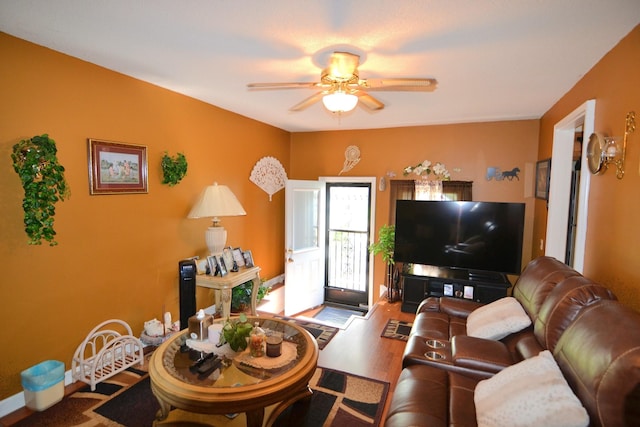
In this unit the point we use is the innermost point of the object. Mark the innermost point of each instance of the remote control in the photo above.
(196, 366)
(208, 367)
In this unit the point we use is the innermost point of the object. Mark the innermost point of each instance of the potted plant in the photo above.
(241, 296)
(385, 246)
(43, 181)
(174, 168)
(236, 331)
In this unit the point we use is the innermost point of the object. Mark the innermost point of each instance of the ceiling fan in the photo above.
(340, 86)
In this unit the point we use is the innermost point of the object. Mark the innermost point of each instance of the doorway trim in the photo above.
(372, 221)
(560, 185)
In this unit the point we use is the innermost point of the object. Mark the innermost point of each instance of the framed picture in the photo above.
(543, 176)
(117, 168)
(212, 264)
(222, 268)
(468, 292)
(238, 258)
(248, 259)
(227, 255)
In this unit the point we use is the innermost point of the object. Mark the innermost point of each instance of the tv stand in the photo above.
(421, 281)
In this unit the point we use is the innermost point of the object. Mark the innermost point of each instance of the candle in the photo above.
(214, 333)
(274, 345)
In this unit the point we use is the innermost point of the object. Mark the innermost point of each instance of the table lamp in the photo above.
(214, 202)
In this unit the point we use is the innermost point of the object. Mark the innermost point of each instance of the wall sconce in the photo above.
(603, 152)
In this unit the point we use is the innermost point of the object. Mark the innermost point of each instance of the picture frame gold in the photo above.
(117, 168)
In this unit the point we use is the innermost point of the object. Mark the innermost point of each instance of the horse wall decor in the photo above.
(498, 175)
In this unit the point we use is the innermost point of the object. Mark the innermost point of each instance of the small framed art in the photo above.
(222, 268)
(227, 255)
(543, 177)
(238, 258)
(117, 168)
(248, 259)
(212, 264)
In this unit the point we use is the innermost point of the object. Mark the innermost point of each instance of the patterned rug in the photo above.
(397, 329)
(339, 399)
(322, 333)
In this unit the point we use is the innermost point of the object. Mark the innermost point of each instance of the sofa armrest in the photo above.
(528, 346)
(458, 307)
(480, 354)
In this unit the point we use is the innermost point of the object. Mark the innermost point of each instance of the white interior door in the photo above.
(304, 246)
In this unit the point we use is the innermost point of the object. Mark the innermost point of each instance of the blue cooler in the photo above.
(43, 384)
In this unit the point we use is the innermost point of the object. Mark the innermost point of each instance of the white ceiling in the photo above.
(493, 59)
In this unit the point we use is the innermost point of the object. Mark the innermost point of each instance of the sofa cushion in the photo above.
(530, 393)
(498, 319)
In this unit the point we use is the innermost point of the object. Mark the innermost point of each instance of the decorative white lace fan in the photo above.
(351, 158)
(269, 175)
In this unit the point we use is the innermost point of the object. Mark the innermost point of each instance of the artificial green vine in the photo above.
(173, 168)
(35, 161)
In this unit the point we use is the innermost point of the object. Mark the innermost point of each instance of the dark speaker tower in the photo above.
(187, 272)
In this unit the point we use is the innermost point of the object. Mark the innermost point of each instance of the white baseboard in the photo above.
(274, 281)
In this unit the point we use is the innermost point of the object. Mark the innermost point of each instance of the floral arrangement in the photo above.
(438, 170)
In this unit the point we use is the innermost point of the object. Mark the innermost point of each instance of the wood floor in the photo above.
(357, 349)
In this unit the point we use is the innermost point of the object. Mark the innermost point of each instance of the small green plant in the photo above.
(174, 168)
(236, 332)
(241, 295)
(43, 181)
(385, 244)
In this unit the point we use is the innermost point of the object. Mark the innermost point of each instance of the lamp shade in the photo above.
(340, 102)
(216, 201)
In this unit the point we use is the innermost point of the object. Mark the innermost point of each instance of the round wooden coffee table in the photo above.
(243, 385)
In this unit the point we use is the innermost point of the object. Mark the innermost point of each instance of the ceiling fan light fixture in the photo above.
(340, 102)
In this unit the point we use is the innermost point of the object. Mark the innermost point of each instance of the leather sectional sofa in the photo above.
(593, 339)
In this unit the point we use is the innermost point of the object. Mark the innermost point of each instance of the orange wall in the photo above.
(612, 251)
(466, 149)
(118, 254)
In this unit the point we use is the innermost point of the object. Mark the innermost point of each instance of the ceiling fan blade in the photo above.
(369, 101)
(400, 84)
(343, 65)
(307, 102)
(292, 85)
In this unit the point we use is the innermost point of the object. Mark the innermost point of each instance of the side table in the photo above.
(222, 285)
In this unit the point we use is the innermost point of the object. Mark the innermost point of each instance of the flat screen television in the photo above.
(476, 236)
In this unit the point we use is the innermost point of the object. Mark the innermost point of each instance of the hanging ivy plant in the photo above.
(35, 161)
(173, 168)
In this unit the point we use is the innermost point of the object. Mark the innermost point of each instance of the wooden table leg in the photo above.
(255, 418)
(163, 412)
(254, 294)
(303, 395)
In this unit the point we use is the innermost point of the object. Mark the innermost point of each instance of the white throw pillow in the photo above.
(530, 393)
(498, 319)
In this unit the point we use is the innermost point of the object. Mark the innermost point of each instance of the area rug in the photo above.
(322, 333)
(126, 400)
(336, 315)
(397, 329)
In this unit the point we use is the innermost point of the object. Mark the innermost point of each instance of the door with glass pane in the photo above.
(304, 246)
(348, 227)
